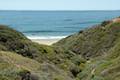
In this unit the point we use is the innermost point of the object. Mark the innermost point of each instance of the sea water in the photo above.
(53, 24)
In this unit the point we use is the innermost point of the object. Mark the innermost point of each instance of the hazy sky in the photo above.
(59, 4)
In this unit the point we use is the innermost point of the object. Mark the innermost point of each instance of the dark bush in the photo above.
(75, 71)
(104, 23)
(26, 75)
(81, 31)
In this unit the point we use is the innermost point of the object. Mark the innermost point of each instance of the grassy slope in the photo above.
(12, 64)
(101, 46)
(12, 40)
(15, 42)
(92, 42)
(107, 66)
(103, 68)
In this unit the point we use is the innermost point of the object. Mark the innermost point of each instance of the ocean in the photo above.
(53, 24)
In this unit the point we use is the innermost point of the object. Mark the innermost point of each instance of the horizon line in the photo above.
(60, 10)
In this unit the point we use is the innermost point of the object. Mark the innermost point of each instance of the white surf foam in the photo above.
(46, 37)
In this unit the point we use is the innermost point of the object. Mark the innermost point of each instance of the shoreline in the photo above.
(45, 41)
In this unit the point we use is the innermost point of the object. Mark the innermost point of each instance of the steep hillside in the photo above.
(15, 42)
(100, 45)
(16, 67)
(12, 40)
(92, 42)
(103, 68)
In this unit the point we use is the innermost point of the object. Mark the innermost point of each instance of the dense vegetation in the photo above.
(92, 42)
(91, 54)
(40, 60)
(100, 45)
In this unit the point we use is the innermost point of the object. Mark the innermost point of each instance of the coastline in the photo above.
(45, 41)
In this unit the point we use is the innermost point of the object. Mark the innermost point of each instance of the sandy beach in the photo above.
(45, 41)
